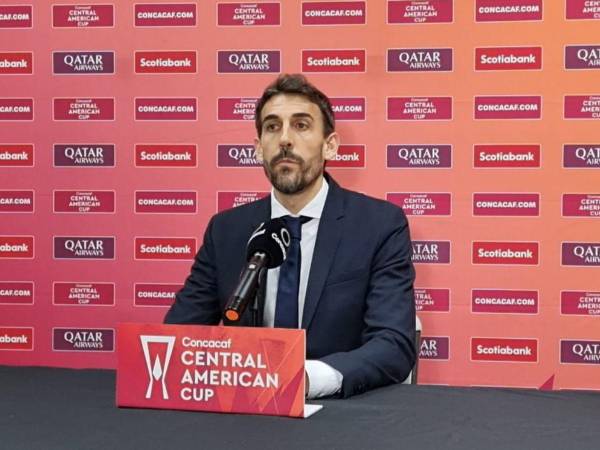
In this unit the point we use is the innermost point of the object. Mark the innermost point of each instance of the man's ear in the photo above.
(258, 148)
(331, 145)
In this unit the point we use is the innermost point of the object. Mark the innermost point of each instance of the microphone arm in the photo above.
(246, 287)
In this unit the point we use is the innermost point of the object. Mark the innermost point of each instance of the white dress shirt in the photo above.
(323, 379)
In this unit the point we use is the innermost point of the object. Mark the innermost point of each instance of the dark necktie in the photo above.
(286, 308)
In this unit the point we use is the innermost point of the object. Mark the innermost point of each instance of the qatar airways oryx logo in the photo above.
(419, 108)
(236, 108)
(158, 365)
(495, 156)
(16, 338)
(580, 303)
(16, 201)
(435, 348)
(165, 14)
(580, 254)
(233, 199)
(432, 300)
(582, 107)
(507, 10)
(67, 247)
(164, 248)
(504, 349)
(155, 294)
(431, 252)
(16, 16)
(16, 292)
(165, 61)
(83, 339)
(579, 352)
(504, 301)
(422, 203)
(84, 202)
(83, 16)
(582, 56)
(585, 156)
(16, 155)
(351, 156)
(419, 11)
(581, 205)
(83, 294)
(349, 108)
(334, 13)
(314, 61)
(16, 247)
(83, 63)
(583, 9)
(508, 107)
(419, 59)
(505, 204)
(16, 109)
(84, 155)
(166, 108)
(248, 61)
(513, 253)
(237, 155)
(248, 14)
(423, 156)
(83, 109)
(508, 58)
(16, 63)
(166, 202)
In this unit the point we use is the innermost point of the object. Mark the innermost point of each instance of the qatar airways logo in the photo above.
(165, 62)
(580, 254)
(83, 16)
(504, 301)
(420, 11)
(237, 155)
(585, 156)
(166, 202)
(419, 60)
(582, 56)
(424, 156)
(84, 155)
(579, 352)
(431, 252)
(435, 348)
(16, 63)
(16, 292)
(334, 13)
(350, 156)
(16, 338)
(83, 339)
(16, 16)
(83, 109)
(83, 63)
(512, 253)
(84, 202)
(504, 349)
(166, 155)
(249, 61)
(507, 10)
(67, 247)
(236, 108)
(419, 108)
(166, 108)
(508, 107)
(16, 201)
(432, 300)
(580, 303)
(581, 205)
(248, 14)
(16, 109)
(165, 14)
(508, 58)
(506, 204)
(349, 108)
(501, 156)
(164, 248)
(16, 155)
(315, 61)
(583, 9)
(233, 199)
(83, 294)
(422, 203)
(155, 294)
(582, 107)
(16, 247)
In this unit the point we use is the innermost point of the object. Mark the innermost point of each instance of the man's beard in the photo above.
(287, 180)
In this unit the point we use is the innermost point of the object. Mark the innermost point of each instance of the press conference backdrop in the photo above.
(125, 126)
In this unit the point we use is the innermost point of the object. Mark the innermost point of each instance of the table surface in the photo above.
(46, 408)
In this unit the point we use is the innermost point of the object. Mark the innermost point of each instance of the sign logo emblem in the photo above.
(157, 370)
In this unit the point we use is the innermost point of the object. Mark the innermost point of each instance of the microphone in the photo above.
(266, 248)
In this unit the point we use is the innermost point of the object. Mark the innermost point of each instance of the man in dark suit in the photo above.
(354, 285)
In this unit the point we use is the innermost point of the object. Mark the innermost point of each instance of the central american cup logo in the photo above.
(157, 370)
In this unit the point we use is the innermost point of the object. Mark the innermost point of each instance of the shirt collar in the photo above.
(313, 209)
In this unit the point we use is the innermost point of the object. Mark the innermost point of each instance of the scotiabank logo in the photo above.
(82, 63)
(582, 107)
(83, 294)
(581, 205)
(16, 201)
(579, 352)
(419, 108)
(66, 247)
(500, 349)
(582, 9)
(349, 156)
(237, 155)
(580, 254)
(349, 108)
(165, 62)
(585, 156)
(165, 14)
(505, 204)
(423, 156)
(166, 202)
(419, 11)
(419, 59)
(422, 203)
(16, 292)
(16, 247)
(580, 303)
(249, 61)
(16, 338)
(84, 155)
(248, 14)
(513, 253)
(16, 16)
(431, 252)
(435, 347)
(334, 61)
(507, 10)
(508, 107)
(508, 58)
(334, 13)
(504, 301)
(155, 294)
(159, 248)
(16, 63)
(166, 155)
(236, 108)
(16, 155)
(432, 300)
(582, 56)
(506, 156)
(16, 109)
(82, 16)
(83, 109)
(83, 339)
(166, 108)
(84, 202)
(233, 199)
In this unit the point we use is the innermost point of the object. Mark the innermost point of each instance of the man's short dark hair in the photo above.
(296, 84)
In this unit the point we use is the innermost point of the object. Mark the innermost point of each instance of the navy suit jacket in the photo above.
(359, 311)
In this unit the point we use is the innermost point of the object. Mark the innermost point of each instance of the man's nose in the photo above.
(285, 140)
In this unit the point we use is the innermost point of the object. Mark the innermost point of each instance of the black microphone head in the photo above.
(271, 238)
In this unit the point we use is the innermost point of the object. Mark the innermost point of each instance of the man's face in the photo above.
(292, 147)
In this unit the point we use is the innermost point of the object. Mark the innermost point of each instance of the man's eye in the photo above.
(271, 127)
(302, 125)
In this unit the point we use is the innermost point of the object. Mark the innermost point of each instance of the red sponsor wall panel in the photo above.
(127, 125)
